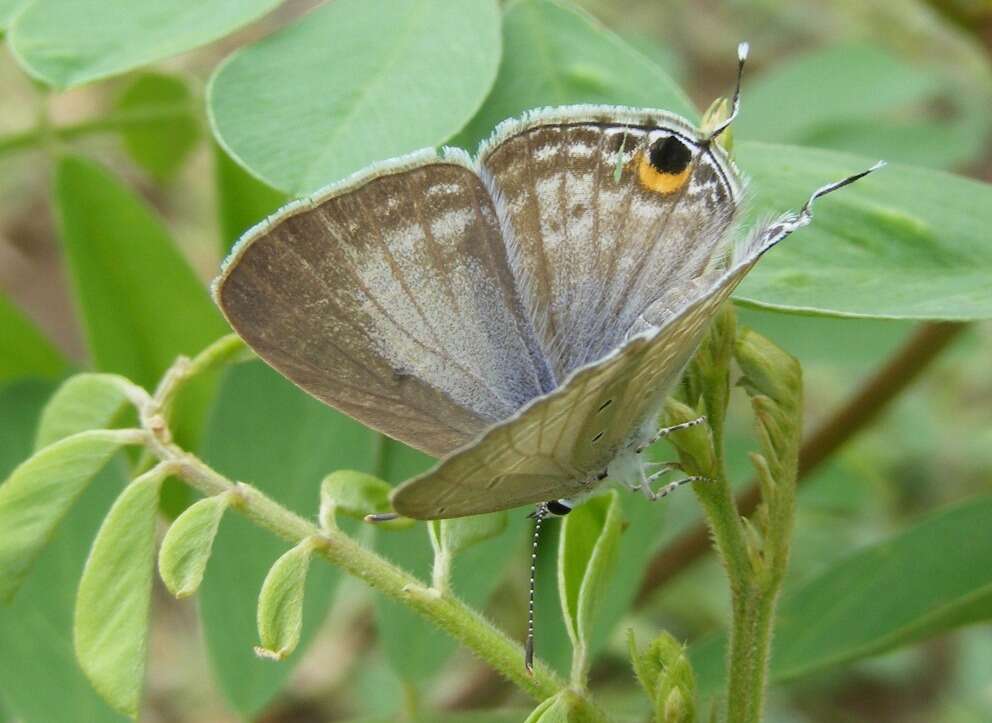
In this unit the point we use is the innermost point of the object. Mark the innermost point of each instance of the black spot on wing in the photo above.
(670, 155)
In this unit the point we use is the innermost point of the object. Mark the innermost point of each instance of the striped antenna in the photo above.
(742, 50)
(538, 515)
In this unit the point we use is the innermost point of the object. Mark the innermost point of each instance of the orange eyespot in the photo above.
(665, 166)
(662, 182)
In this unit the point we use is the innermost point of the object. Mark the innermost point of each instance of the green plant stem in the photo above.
(449, 613)
(227, 349)
(111, 123)
(446, 611)
(725, 526)
(752, 603)
(754, 614)
(754, 554)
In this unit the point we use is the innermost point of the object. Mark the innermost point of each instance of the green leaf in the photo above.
(355, 81)
(119, 251)
(642, 533)
(8, 8)
(24, 350)
(451, 537)
(666, 676)
(586, 552)
(459, 534)
(651, 662)
(280, 603)
(557, 709)
(242, 199)
(36, 629)
(266, 432)
(931, 578)
(768, 371)
(842, 82)
(352, 493)
(112, 605)
(140, 302)
(555, 54)
(859, 97)
(66, 44)
(83, 402)
(186, 547)
(904, 243)
(162, 128)
(40, 491)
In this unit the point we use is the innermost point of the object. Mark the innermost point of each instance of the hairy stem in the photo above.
(115, 122)
(462, 622)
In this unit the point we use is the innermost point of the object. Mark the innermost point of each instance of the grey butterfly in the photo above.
(521, 315)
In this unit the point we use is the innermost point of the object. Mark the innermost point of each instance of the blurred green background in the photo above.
(905, 80)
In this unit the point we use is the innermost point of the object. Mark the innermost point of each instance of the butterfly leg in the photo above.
(666, 490)
(658, 470)
(665, 431)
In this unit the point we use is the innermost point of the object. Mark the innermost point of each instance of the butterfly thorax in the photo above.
(627, 468)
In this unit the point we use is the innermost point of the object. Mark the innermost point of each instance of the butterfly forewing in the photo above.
(390, 297)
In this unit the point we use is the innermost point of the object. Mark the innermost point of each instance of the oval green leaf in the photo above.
(931, 578)
(83, 402)
(159, 124)
(112, 606)
(586, 551)
(280, 603)
(841, 82)
(39, 492)
(859, 97)
(459, 534)
(117, 249)
(66, 44)
(186, 547)
(904, 243)
(353, 493)
(556, 709)
(24, 350)
(555, 54)
(353, 82)
(36, 628)
(8, 8)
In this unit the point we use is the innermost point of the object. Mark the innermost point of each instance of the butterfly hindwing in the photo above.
(603, 209)
(559, 444)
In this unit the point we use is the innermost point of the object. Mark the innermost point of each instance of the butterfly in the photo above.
(521, 315)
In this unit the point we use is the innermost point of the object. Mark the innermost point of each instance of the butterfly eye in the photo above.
(665, 166)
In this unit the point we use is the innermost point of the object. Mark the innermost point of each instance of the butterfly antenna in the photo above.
(538, 516)
(807, 208)
(742, 51)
